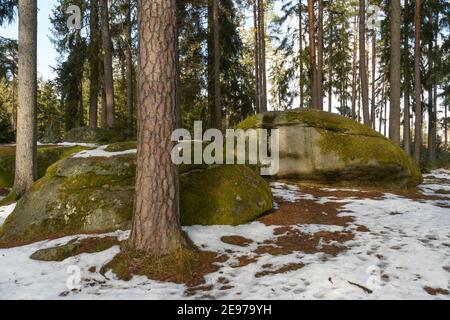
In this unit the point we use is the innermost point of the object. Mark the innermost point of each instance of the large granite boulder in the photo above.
(321, 146)
(95, 194)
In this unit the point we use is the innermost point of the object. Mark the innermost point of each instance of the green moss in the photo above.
(122, 146)
(214, 196)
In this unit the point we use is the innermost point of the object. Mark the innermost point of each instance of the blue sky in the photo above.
(46, 52)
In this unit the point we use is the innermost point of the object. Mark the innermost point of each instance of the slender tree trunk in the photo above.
(107, 61)
(374, 72)
(217, 89)
(320, 58)
(13, 104)
(355, 76)
(104, 110)
(330, 70)
(262, 46)
(26, 150)
(300, 61)
(432, 134)
(129, 67)
(406, 99)
(312, 54)
(362, 62)
(418, 85)
(394, 114)
(156, 222)
(94, 62)
(257, 55)
(446, 127)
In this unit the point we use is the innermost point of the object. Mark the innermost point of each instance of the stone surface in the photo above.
(96, 195)
(321, 146)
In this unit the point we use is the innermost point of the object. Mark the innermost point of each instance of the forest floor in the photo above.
(317, 243)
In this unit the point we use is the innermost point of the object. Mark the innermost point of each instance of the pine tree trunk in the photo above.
(406, 99)
(445, 127)
(262, 46)
(330, 70)
(300, 61)
(312, 54)
(217, 123)
(418, 85)
(362, 62)
(320, 58)
(26, 150)
(156, 222)
(355, 72)
(129, 68)
(94, 62)
(374, 66)
(107, 61)
(257, 72)
(394, 114)
(104, 109)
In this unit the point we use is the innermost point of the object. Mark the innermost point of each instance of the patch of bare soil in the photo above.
(284, 269)
(306, 212)
(245, 261)
(291, 240)
(236, 241)
(436, 291)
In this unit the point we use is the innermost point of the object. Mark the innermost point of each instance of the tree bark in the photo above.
(312, 54)
(374, 66)
(418, 84)
(362, 62)
(406, 99)
(26, 150)
(262, 47)
(129, 68)
(257, 72)
(107, 62)
(156, 222)
(394, 114)
(94, 62)
(355, 75)
(300, 62)
(320, 58)
(217, 122)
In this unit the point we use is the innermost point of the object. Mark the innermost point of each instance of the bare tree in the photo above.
(156, 223)
(107, 62)
(26, 150)
(418, 84)
(394, 114)
(362, 62)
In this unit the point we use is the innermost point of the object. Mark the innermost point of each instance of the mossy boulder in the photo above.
(83, 195)
(321, 146)
(47, 155)
(94, 135)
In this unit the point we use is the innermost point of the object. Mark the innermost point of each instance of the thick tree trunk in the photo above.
(26, 168)
(257, 73)
(312, 54)
(406, 98)
(394, 114)
(300, 61)
(262, 46)
(107, 62)
(156, 223)
(94, 62)
(362, 62)
(418, 84)
(355, 72)
(129, 67)
(320, 58)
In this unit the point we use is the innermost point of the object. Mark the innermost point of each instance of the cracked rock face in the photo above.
(325, 147)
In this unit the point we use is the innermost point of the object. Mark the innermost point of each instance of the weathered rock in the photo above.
(47, 155)
(91, 135)
(96, 195)
(321, 146)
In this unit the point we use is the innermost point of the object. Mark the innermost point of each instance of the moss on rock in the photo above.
(121, 146)
(96, 195)
(317, 145)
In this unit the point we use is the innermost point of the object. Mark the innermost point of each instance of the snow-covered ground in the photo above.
(405, 248)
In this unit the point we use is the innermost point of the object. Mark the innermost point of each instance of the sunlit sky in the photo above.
(46, 52)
